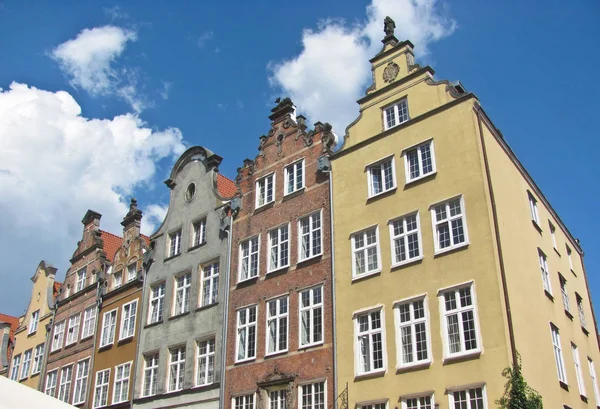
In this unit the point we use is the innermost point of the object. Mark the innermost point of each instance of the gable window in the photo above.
(118, 279)
(578, 370)
(419, 161)
(564, 293)
(558, 356)
(199, 233)
(450, 226)
(279, 248)
(26, 364)
(412, 334)
(396, 114)
(473, 398)
(183, 285)
(294, 177)
(243, 402)
(121, 386)
(277, 325)
(210, 284)
(313, 396)
(131, 272)
(535, 217)
(50, 388)
(265, 190)
(460, 321)
(64, 388)
(248, 259)
(592, 369)
(311, 316)
(205, 362)
(89, 322)
(311, 240)
(382, 176)
(108, 328)
(420, 402)
(176, 368)
(128, 315)
(553, 234)
(38, 359)
(545, 271)
(33, 322)
(581, 310)
(14, 370)
(80, 279)
(405, 235)
(175, 243)
(370, 343)
(81, 376)
(101, 388)
(365, 252)
(73, 331)
(246, 333)
(157, 300)
(569, 257)
(150, 374)
(59, 333)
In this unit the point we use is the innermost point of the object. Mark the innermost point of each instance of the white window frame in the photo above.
(101, 389)
(553, 235)
(374, 405)
(558, 356)
(564, 293)
(247, 261)
(132, 271)
(458, 311)
(312, 231)
(15, 367)
(205, 358)
(58, 335)
(364, 250)
(121, 383)
(80, 279)
(262, 197)
(209, 284)
(179, 365)
(34, 321)
(293, 167)
(380, 166)
(81, 378)
(468, 391)
(543, 260)
(26, 365)
(38, 359)
(118, 279)
(156, 302)
(51, 381)
(580, 310)
(109, 326)
(174, 243)
(396, 114)
(277, 319)
(150, 380)
(533, 209)
(128, 319)
(244, 328)
(89, 322)
(277, 239)
(73, 329)
(398, 324)
(198, 232)
(419, 150)
(186, 291)
(448, 222)
(310, 309)
(369, 333)
(277, 399)
(578, 370)
(569, 251)
(404, 239)
(303, 387)
(594, 380)
(418, 401)
(244, 401)
(64, 386)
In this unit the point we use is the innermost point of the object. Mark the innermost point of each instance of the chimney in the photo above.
(91, 220)
(285, 109)
(131, 222)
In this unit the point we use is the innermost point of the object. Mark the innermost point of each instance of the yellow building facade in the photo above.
(438, 281)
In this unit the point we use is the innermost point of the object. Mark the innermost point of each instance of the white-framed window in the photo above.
(121, 385)
(535, 217)
(553, 234)
(210, 284)
(564, 292)
(412, 332)
(313, 396)
(33, 322)
(59, 334)
(150, 374)
(199, 232)
(246, 333)
(419, 161)
(175, 243)
(449, 224)
(277, 325)
(578, 370)
(118, 279)
(265, 190)
(277, 399)
(81, 376)
(294, 177)
(311, 316)
(176, 368)
(205, 362)
(419, 402)
(131, 272)
(101, 388)
(64, 387)
(128, 315)
(381, 176)
(545, 271)
(405, 236)
(26, 364)
(594, 381)
(365, 252)
(471, 398)
(580, 310)
(395, 114)
(38, 359)
(279, 248)
(80, 279)
(310, 236)
(558, 356)
(243, 402)
(569, 257)
(181, 301)
(249, 259)
(14, 370)
(157, 301)
(51, 378)
(109, 322)
(460, 326)
(370, 342)
(73, 329)
(89, 322)
(380, 405)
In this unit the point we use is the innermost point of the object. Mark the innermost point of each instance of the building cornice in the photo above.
(396, 84)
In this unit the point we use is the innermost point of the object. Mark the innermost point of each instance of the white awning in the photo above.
(14, 395)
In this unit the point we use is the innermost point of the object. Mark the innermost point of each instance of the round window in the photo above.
(190, 192)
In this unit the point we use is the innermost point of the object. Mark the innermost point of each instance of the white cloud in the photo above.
(164, 93)
(153, 217)
(333, 69)
(204, 38)
(115, 13)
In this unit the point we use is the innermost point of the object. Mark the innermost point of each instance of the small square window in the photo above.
(382, 177)
(265, 190)
(419, 162)
(395, 115)
(294, 177)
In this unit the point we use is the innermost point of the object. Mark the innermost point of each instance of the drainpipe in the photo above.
(225, 312)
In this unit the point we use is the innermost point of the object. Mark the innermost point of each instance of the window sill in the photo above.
(197, 246)
(278, 269)
(247, 281)
(583, 398)
(537, 226)
(407, 262)
(105, 347)
(574, 273)
(207, 306)
(461, 357)
(259, 209)
(568, 314)
(556, 251)
(369, 375)
(293, 194)
(450, 249)
(274, 354)
(307, 259)
(366, 275)
(183, 314)
(204, 385)
(411, 182)
(70, 345)
(547, 294)
(30, 334)
(244, 361)
(307, 346)
(86, 337)
(564, 385)
(413, 367)
(171, 257)
(153, 324)
(585, 331)
(376, 196)
(125, 340)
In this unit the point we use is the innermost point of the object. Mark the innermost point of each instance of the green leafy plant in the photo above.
(517, 394)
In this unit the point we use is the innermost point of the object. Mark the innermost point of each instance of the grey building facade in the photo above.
(179, 358)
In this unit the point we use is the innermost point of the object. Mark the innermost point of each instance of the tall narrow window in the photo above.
(382, 177)
(73, 330)
(210, 284)
(199, 232)
(294, 177)
(450, 225)
(564, 292)
(64, 388)
(594, 381)
(157, 301)
(175, 243)
(205, 362)
(370, 341)
(150, 374)
(279, 248)
(265, 190)
(121, 386)
(277, 325)
(14, 370)
(128, 315)
(395, 114)
(412, 336)
(108, 328)
(33, 322)
(131, 272)
(545, 271)
(578, 370)
(176, 368)
(80, 279)
(460, 326)
(50, 388)
(183, 285)
(569, 257)
(311, 241)
(26, 364)
(419, 162)
(118, 279)
(38, 359)
(246, 333)
(81, 376)
(243, 402)
(248, 259)
(473, 398)
(553, 234)
(405, 236)
(313, 396)
(89, 322)
(365, 252)
(558, 356)
(580, 310)
(101, 388)
(311, 316)
(421, 402)
(277, 399)
(535, 217)
(59, 333)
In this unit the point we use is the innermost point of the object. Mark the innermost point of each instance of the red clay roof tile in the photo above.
(14, 324)
(226, 186)
(111, 244)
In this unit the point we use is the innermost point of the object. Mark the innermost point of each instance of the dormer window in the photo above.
(395, 114)
(265, 190)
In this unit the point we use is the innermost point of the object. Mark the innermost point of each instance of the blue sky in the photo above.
(82, 129)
